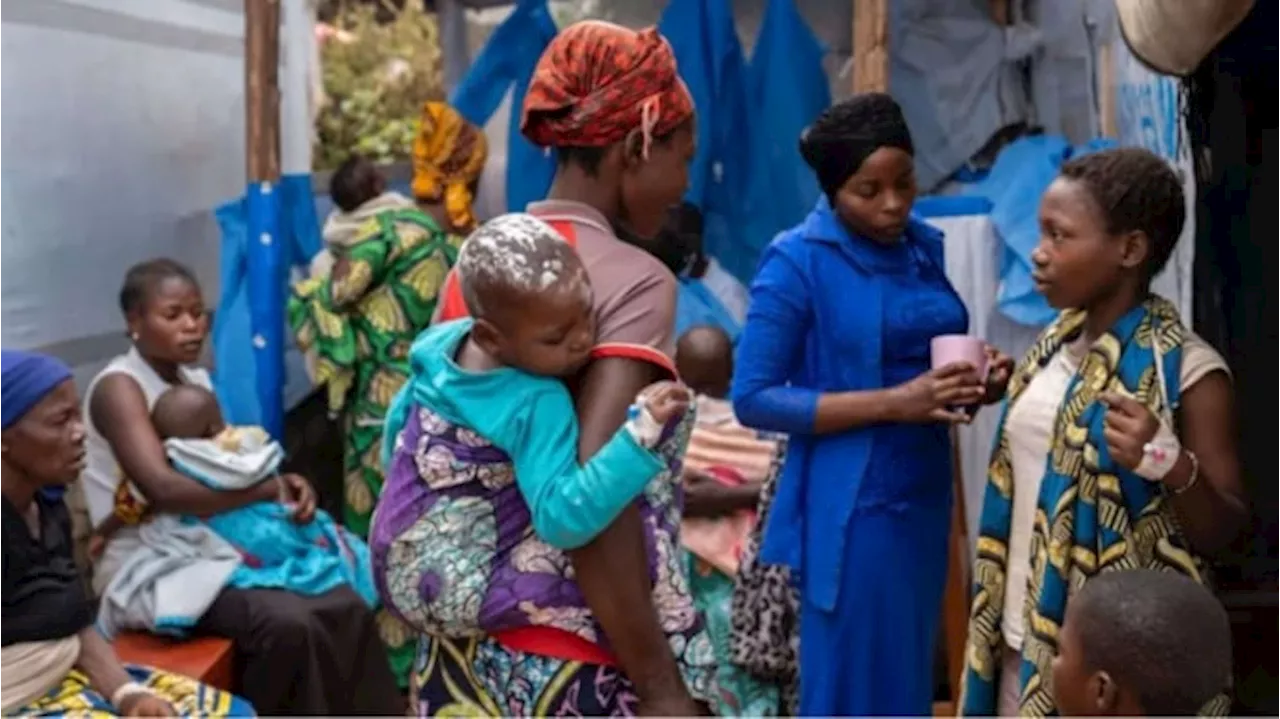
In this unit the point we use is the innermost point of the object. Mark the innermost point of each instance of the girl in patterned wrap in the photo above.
(1117, 449)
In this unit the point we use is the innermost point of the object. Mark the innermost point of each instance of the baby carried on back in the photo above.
(188, 560)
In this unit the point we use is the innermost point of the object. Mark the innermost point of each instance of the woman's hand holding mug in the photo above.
(938, 395)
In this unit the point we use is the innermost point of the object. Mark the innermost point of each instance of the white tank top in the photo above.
(102, 474)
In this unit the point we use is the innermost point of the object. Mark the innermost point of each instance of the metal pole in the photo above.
(452, 21)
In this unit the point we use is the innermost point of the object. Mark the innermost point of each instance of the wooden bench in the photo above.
(208, 659)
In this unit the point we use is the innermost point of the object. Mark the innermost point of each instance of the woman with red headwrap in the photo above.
(609, 628)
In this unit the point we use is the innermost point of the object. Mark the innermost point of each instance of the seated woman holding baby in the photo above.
(298, 652)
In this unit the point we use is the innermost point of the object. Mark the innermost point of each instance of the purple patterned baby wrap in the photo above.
(455, 555)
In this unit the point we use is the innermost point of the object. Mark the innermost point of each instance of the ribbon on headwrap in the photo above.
(448, 156)
(598, 81)
(846, 134)
(25, 379)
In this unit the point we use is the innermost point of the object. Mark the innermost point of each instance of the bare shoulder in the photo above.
(116, 394)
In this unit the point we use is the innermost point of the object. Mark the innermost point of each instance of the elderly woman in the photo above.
(296, 654)
(54, 660)
(835, 352)
(1118, 447)
(608, 628)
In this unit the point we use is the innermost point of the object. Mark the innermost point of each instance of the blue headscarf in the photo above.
(25, 379)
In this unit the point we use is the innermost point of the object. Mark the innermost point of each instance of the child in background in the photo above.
(726, 463)
(1143, 643)
(725, 467)
(359, 193)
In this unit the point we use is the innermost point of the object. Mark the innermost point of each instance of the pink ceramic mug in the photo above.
(945, 349)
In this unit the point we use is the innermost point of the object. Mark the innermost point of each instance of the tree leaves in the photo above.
(376, 76)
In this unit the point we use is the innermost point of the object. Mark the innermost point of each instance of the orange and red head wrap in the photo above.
(598, 81)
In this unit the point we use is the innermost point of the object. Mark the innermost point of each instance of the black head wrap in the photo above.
(846, 134)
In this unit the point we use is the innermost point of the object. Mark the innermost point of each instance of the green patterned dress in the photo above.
(358, 323)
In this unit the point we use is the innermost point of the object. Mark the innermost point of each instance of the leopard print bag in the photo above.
(765, 639)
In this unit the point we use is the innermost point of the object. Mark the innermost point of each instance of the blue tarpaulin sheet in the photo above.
(264, 233)
(508, 60)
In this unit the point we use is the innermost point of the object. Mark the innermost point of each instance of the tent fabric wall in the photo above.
(787, 89)
(972, 253)
(504, 68)
(125, 127)
(950, 69)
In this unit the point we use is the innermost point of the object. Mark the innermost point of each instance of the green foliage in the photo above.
(376, 78)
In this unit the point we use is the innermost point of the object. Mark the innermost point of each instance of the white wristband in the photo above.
(126, 690)
(643, 427)
(1159, 455)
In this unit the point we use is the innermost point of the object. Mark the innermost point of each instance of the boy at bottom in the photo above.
(1139, 643)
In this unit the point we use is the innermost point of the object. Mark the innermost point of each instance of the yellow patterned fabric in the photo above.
(448, 156)
(189, 698)
(360, 322)
(1092, 515)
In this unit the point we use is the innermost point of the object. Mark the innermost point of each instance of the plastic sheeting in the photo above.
(127, 127)
(972, 253)
(505, 64)
(949, 69)
(264, 234)
(787, 89)
(717, 298)
(707, 48)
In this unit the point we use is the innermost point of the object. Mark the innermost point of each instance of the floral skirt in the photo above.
(738, 692)
(478, 677)
(189, 698)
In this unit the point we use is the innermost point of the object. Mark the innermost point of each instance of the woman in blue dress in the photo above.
(835, 352)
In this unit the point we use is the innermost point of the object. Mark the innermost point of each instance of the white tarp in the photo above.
(123, 127)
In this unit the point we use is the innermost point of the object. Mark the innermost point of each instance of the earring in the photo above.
(133, 336)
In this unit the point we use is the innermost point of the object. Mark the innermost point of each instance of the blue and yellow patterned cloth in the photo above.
(1092, 515)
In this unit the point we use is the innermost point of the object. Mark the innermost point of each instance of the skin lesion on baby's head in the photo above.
(187, 412)
(529, 295)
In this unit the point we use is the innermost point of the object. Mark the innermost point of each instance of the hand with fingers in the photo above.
(296, 493)
(1128, 427)
(666, 400)
(939, 395)
(999, 370)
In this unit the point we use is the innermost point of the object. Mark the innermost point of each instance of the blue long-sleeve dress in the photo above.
(863, 516)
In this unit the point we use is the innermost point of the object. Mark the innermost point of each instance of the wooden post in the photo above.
(870, 46)
(955, 602)
(262, 89)
(999, 12)
(266, 254)
(1107, 90)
